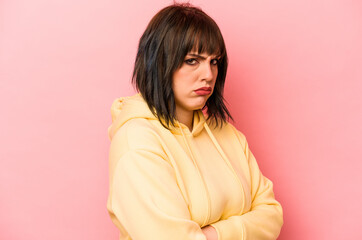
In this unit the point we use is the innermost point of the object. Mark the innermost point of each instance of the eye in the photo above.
(191, 61)
(215, 61)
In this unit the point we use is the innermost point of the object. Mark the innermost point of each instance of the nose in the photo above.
(208, 72)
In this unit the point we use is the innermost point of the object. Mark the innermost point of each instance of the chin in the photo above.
(199, 106)
(196, 103)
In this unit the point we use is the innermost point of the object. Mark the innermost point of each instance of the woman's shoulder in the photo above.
(136, 131)
(136, 136)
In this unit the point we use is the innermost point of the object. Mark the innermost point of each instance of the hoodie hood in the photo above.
(126, 108)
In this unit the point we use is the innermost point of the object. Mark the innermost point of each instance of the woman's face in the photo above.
(193, 83)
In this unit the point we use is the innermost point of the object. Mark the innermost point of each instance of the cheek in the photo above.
(178, 83)
(215, 75)
(182, 79)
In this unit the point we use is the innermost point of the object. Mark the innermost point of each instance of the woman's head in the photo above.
(172, 34)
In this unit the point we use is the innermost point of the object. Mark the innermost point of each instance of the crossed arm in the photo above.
(146, 199)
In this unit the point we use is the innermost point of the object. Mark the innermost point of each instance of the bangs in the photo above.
(189, 30)
(202, 35)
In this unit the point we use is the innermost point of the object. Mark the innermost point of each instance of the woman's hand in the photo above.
(209, 232)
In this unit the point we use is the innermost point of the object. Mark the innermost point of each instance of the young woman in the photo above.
(175, 173)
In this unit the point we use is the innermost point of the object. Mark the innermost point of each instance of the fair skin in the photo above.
(197, 71)
(209, 232)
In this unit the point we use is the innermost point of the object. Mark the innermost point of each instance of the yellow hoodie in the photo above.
(168, 184)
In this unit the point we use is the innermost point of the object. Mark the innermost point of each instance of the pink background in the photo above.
(294, 88)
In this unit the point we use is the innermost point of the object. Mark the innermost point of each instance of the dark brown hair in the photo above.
(171, 34)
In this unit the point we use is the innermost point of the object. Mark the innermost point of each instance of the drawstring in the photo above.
(223, 155)
(199, 173)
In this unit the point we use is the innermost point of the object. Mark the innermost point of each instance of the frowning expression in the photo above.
(193, 83)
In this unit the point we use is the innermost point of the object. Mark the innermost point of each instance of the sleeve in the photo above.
(265, 218)
(145, 197)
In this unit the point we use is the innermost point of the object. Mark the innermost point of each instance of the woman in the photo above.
(175, 174)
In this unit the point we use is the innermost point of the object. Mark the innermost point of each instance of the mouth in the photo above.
(203, 91)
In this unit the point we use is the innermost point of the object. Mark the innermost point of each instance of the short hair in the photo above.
(171, 34)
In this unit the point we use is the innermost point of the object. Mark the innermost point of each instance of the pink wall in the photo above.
(293, 86)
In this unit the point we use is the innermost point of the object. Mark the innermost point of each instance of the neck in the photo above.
(185, 117)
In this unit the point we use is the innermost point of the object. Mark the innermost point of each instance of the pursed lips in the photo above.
(203, 91)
